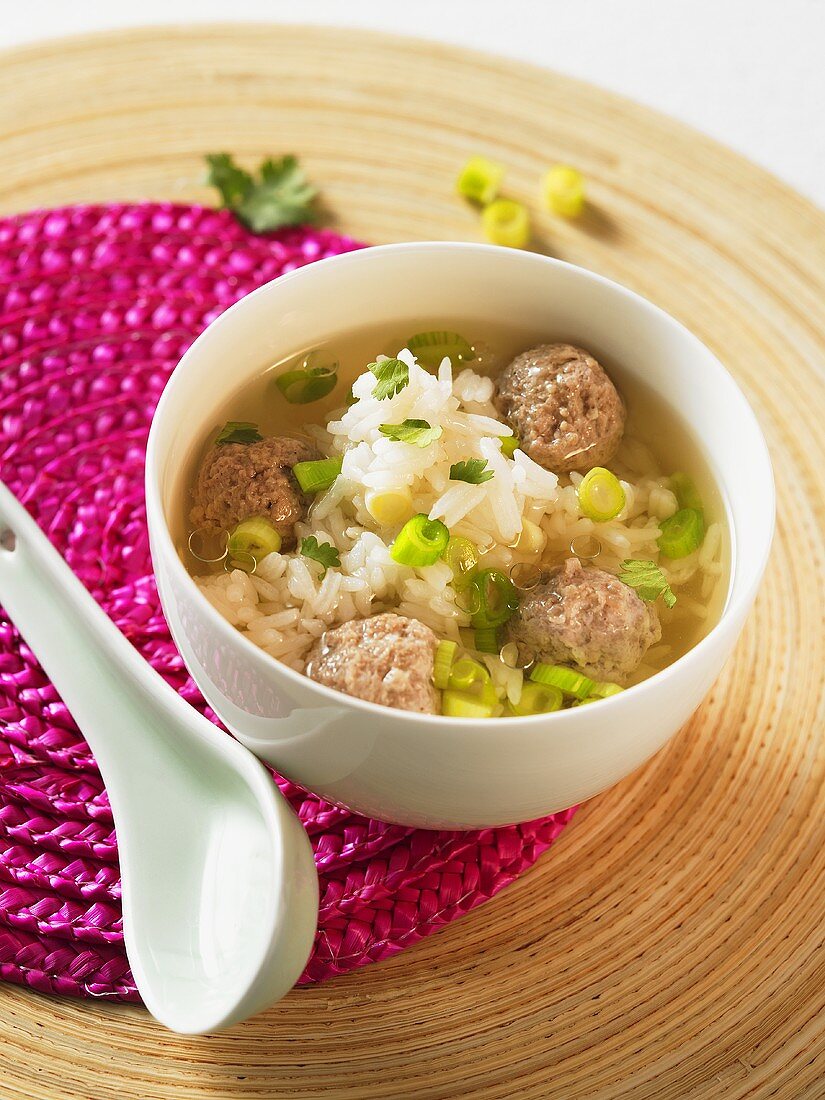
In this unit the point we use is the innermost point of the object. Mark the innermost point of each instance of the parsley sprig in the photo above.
(417, 432)
(280, 196)
(324, 553)
(474, 471)
(648, 580)
(238, 431)
(391, 376)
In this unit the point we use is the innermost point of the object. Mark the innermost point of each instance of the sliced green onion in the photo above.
(421, 541)
(255, 536)
(467, 674)
(430, 348)
(472, 678)
(601, 496)
(687, 495)
(497, 598)
(301, 387)
(682, 533)
(455, 704)
(603, 689)
(389, 506)
(509, 445)
(538, 699)
(314, 477)
(486, 639)
(566, 679)
(462, 557)
(506, 222)
(444, 657)
(480, 180)
(563, 189)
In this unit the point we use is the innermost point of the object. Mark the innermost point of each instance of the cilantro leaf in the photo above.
(234, 183)
(238, 431)
(325, 553)
(392, 375)
(648, 580)
(281, 195)
(417, 432)
(472, 471)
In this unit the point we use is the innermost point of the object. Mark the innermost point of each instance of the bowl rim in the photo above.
(160, 533)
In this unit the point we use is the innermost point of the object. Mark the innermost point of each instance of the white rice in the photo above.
(286, 603)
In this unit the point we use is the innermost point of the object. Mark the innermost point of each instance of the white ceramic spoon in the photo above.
(220, 894)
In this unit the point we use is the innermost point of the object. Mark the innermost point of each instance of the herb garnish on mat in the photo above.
(280, 196)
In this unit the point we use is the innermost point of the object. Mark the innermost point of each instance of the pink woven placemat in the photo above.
(97, 304)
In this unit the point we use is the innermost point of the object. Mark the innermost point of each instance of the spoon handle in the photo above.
(101, 678)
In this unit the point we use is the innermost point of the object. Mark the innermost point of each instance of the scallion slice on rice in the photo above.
(601, 496)
(255, 536)
(421, 541)
(315, 477)
(389, 506)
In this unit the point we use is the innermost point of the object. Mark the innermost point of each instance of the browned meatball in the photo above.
(385, 659)
(562, 406)
(589, 618)
(239, 480)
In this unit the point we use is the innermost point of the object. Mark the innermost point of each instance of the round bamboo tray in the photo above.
(667, 945)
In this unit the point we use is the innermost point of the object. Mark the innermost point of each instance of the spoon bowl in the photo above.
(220, 894)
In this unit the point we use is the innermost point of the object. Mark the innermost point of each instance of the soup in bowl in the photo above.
(452, 535)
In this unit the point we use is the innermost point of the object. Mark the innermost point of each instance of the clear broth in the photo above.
(650, 420)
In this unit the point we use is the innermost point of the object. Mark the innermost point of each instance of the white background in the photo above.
(750, 73)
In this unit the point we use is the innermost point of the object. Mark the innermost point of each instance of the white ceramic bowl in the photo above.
(411, 768)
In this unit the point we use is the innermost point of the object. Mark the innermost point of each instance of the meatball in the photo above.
(589, 618)
(238, 480)
(385, 659)
(562, 406)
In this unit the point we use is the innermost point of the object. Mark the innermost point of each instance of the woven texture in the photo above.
(671, 947)
(97, 304)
